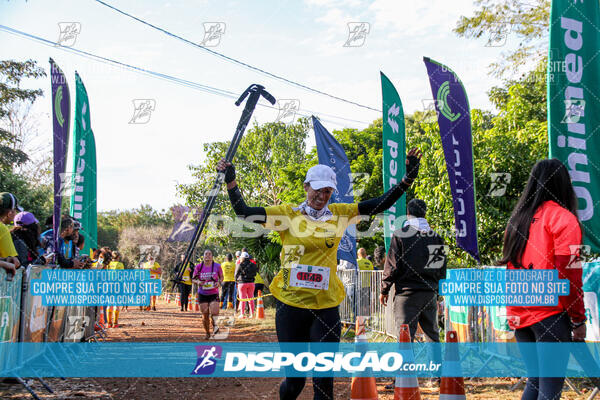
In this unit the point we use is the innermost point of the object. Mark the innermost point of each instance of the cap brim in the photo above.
(316, 185)
(19, 208)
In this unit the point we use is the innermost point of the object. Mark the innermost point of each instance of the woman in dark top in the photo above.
(26, 237)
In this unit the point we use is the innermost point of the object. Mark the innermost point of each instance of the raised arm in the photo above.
(389, 198)
(240, 207)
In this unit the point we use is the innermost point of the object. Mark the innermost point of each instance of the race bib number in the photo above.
(309, 276)
(208, 285)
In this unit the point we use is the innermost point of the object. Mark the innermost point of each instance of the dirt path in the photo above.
(168, 324)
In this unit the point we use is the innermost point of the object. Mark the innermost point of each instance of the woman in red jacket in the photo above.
(544, 233)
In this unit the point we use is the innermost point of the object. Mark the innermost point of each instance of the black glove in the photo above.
(412, 169)
(229, 173)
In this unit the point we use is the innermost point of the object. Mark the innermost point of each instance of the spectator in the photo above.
(64, 255)
(155, 273)
(26, 237)
(185, 286)
(80, 244)
(259, 283)
(228, 288)
(113, 311)
(244, 275)
(364, 264)
(409, 267)
(9, 207)
(544, 232)
(379, 257)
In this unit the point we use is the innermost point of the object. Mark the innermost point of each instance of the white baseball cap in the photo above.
(244, 255)
(321, 176)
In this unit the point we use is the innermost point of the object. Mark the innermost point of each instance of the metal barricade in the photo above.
(10, 317)
(348, 306)
(362, 299)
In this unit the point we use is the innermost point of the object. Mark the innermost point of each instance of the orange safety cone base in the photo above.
(407, 393)
(363, 388)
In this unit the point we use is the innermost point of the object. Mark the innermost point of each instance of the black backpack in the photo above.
(248, 270)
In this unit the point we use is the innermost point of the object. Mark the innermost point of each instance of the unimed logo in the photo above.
(207, 359)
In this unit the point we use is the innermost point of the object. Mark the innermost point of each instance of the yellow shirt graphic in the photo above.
(314, 246)
(228, 268)
(115, 265)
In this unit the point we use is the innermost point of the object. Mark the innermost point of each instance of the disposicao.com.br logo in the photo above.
(304, 362)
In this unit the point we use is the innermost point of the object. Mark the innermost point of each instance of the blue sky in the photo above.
(300, 40)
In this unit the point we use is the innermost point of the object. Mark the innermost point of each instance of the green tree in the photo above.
(112, 223)
(495, 19)
(34, 198)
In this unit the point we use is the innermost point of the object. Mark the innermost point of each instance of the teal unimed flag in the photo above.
(394, 154)
(574, 104)
(83, 195)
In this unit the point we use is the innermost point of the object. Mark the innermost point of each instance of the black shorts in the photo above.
(207, 298)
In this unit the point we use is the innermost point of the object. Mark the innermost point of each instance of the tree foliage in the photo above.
(496, 19)
(112, 223)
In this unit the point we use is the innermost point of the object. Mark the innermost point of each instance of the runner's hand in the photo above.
(579, 333)
(228, 169)
(383, 298)
(8, 267)
(413, 160)
(14, 260)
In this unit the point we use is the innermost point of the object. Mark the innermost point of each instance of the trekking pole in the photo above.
(254, 92)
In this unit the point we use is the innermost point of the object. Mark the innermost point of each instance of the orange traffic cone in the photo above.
(452, 388)
(406, 387)
(260, 308)
(178, 297)
(168, 298)
(363, 387)
(197, 307)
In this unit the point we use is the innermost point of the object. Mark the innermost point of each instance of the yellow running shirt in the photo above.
(258, 279)
(187, 274)
(7, 247)
(307, 278)
(365, 265)
(115, 265)
(228, 268)
(154, 268)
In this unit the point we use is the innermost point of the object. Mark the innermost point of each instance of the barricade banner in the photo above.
(591, 292)
(76, 319)
(90, 320)
(458, 320)
(33, 314)
(10, 302)
(56, 319)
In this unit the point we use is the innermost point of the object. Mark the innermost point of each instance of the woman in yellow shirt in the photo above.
(228, 287)
(307, 289)
(185, 286)
(113, 311)
(155, 273)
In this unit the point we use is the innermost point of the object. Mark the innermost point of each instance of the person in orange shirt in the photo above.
(545, 233)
